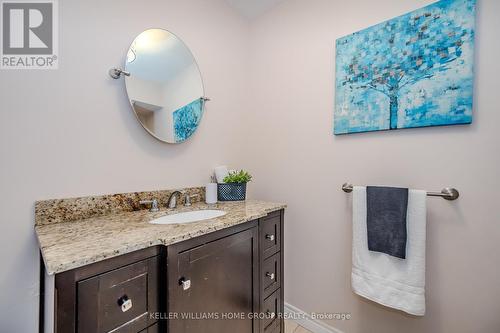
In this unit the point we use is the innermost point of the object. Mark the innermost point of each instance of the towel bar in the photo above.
(448, 193)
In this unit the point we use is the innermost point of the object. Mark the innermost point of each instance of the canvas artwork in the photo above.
(412, 71)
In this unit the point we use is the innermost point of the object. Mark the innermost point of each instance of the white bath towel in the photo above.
(390, 281)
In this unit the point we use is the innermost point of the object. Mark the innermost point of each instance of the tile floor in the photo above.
(293, 327)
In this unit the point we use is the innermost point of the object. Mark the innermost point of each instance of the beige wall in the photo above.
(72, 132)
(295, 158)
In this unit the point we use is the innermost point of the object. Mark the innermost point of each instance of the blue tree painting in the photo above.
(412, 71)
(186, 120)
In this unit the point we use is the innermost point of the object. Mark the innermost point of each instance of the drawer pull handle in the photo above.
(125, 303)
(270, 275)
(270, 237)
(186, 284)
(270, 314)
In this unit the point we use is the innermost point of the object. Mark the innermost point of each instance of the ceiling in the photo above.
(252, 8)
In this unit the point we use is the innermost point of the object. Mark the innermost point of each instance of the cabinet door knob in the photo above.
(270, 237)
(185, 283)
(125, 303)
(270, 275)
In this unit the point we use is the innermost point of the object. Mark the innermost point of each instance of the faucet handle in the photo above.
(154, 204)
(187, 200)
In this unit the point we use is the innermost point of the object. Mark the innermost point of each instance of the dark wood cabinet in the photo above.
(213, 282)
(270, 234)
(225, 281)
(271, 308)
(271, 295)
(120, 300)
(271, 275)
(152, 329)
(115, 295)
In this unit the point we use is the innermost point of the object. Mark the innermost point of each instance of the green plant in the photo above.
(238, 177)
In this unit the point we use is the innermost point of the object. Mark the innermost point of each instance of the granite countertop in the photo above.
(70, 245)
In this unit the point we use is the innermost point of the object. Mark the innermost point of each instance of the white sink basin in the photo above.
(189, 217)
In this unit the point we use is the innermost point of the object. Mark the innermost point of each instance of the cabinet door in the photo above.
(90, 298)
(100, 299)
(213, 287)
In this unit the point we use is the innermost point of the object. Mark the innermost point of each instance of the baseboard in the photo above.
(304, 319)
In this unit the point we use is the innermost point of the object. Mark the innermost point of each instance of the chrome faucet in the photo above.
(154, 205)
(172, 200)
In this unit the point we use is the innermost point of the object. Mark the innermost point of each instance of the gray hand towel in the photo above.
(386, 220)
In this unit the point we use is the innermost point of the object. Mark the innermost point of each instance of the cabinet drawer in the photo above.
(100, 299)
(271, 275)
(271, 307)
(270, 234)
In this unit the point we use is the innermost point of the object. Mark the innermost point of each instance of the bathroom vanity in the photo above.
(117, 272)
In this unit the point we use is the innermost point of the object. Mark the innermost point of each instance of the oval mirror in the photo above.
(164, 87)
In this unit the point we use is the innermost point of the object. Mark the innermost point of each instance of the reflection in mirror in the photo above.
(165, 87)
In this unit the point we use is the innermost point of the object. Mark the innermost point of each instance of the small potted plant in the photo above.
(234, 187)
